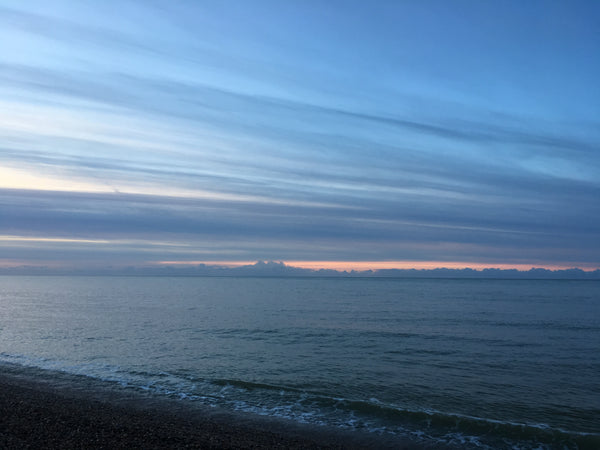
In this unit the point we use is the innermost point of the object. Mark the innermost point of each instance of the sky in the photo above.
(336, 134)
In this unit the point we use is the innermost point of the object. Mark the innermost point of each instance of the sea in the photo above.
(471, 363)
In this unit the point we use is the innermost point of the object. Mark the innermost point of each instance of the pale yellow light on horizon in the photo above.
(179, 246)
(30, 179)
(51, 239)
(11, 178)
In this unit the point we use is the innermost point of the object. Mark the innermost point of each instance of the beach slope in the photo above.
(40, 414)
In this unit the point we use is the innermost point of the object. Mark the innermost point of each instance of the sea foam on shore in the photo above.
(48, 409)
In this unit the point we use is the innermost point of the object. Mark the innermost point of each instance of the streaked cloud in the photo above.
(235, 135)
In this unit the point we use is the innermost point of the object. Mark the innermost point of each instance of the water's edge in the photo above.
(83, 387)
(421, 428)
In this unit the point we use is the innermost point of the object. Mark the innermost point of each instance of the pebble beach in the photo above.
(39, 414)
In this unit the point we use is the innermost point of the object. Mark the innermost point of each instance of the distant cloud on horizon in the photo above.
(281, 269)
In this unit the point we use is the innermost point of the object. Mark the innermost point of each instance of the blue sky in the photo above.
(404, 133)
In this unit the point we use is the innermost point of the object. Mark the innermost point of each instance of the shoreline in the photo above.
(38, 412)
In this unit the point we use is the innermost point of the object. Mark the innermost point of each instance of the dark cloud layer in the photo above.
(284, 231)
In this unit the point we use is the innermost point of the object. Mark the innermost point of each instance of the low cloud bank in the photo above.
(279, 269)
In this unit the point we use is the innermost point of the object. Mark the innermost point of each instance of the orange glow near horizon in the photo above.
(334, 265)
(376, 265)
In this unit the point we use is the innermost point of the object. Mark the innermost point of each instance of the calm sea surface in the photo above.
(480, 363)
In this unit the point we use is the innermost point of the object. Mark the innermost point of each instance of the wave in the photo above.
(448, 428)
(249, 385)
(320, 408)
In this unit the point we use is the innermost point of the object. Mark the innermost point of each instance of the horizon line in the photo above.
(362, 266)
